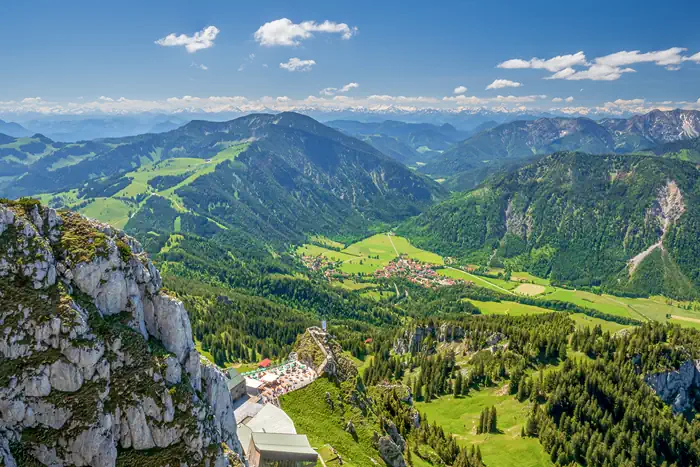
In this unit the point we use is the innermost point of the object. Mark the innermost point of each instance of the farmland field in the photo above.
(507, 308)
(460, 416)
(530, 289)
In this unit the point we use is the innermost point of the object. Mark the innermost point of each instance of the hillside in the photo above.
(13, 129)
(621, 222)
(272, 177)
(98, 366)
(472, 159)
(687, 150)
(408, 143)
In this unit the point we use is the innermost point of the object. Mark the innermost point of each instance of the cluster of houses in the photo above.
(267, 434)
(414, 271)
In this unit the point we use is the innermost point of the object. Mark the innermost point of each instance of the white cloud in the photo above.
(286, 33)
(553, 64)
(503, 83)
(668, 57)
(203, 39)
(460, 90)
(473, 100)
(344, 89)
(596, 72)
(569, 99)
(375, 103)
(296, 64)
(201, 66)
(606, 68)
(557, 99)
(246, 61)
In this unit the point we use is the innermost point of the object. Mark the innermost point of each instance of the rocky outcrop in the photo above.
(319, 350)
(413, 340)
(390, 452)
(96, 361)
(675, 387)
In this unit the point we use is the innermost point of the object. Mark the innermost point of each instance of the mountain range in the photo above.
(276, 177)
(469, 161)
(626, 223)
(409, 143)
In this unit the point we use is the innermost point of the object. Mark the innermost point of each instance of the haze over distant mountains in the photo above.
(86, 126)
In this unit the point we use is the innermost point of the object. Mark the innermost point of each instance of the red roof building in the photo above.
(265, 363)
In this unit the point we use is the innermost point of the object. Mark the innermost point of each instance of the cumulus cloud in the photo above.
(284, 32)
(460, 90)
(553, 64)
(296, 64)
(344, 89)
(503, 83)
(606, 68)
(557, 99)
(203, 39)
(201, 66)
(569, 99)
(373, 103)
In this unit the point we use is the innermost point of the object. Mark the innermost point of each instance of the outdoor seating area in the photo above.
(277, 381)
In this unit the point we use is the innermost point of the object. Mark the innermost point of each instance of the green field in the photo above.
(460, 416)
(313, 417)
(493, 284)
(112, 211)
(315, 250)
(507, 308)
(370, 254)
(352, 285)
(582, 320)
(325, 241)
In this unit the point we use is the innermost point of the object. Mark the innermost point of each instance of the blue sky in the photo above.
(70, 54)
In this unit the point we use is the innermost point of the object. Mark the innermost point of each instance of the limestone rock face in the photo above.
(81, 308)
(674, 387)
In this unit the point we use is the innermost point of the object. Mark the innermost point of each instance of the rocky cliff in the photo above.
(676, 388)
(97, 363)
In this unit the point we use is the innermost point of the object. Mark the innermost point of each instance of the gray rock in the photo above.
(173, 371)
(141, 437)
(167, 321)
(219, 398)
(674, 387)
(390, 452)
(65, 376)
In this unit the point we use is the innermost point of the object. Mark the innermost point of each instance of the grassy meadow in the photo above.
(460, 416)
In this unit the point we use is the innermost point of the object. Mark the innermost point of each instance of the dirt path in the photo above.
(482, 280)
(685, 318)
(392, 245)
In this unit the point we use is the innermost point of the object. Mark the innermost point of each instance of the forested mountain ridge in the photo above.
(406, 142)
(276, 177)
(505, 144)
(580, 220)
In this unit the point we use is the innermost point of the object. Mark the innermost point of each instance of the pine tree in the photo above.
(458, 385)
(492, 426)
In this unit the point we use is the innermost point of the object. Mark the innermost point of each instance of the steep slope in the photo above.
(580, 220)
(490, 150)
(98, 366)
(275, 176)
